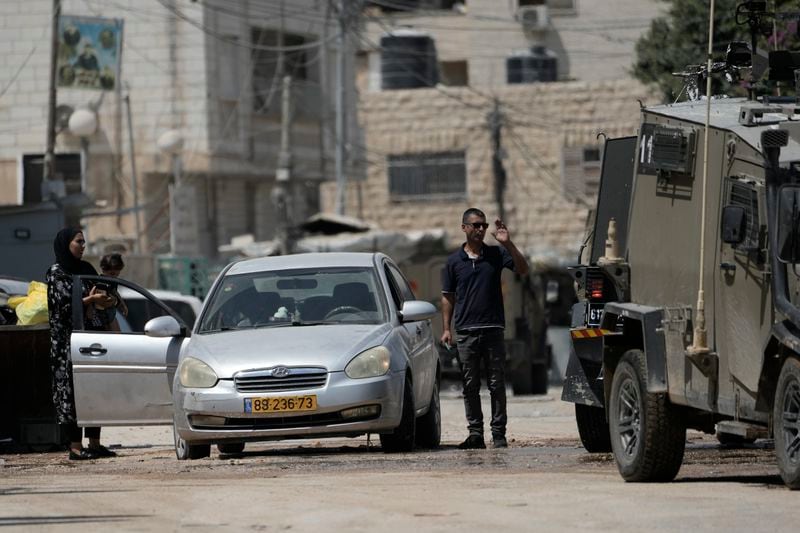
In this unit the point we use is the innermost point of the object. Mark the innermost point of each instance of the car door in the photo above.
(422, 354)
(122, 378)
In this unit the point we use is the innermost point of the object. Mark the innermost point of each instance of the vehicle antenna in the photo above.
(699, 345)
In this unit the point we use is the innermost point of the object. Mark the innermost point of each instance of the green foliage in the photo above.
(680, 39)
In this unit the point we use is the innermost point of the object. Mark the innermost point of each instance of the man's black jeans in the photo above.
(484, 345)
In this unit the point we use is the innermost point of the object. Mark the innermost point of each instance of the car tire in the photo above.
(429, 425)
(402, 438)
(184, 450)
(233, 448)
(786, 422)
(648, 435)
(593, 428)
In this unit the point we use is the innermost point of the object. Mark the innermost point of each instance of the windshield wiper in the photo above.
(309, 323)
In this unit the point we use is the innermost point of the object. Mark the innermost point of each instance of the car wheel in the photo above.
(184, 450)
(231, 449)
(593, 428)
(429, 425)
(786, 420)
(402, 438)
(648, 435)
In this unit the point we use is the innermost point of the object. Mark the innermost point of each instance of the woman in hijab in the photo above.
(69, 246)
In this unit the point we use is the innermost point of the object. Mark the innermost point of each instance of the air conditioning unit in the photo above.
(533, 18)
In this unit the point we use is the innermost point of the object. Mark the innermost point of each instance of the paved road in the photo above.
(543, 482)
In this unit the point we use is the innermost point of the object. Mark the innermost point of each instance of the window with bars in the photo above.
(427, 176)
(746, 196)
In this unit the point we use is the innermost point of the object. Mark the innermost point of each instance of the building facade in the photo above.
(210, 73)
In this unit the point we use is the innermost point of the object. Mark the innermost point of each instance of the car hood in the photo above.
(331, 346)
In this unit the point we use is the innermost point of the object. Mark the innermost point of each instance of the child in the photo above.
(112, 265)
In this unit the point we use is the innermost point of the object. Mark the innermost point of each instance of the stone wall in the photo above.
(540, 122)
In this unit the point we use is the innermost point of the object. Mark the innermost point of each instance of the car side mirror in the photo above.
(734, 224)
(788, 241)
(414, 310)
(162, 326)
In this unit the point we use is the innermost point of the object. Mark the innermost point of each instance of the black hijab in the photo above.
(70, 263)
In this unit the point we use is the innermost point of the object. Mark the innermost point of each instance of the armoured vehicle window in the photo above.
(746, 196)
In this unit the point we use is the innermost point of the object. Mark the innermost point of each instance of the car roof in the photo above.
(309, 260)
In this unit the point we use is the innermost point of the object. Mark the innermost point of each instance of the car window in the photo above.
(183, 310)
(286, 297)
(397, 298)
(402, 284)
(140, 309)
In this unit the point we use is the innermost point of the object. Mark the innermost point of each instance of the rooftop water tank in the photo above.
(408, 60)
(529, 66)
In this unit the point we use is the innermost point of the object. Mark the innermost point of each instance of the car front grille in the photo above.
(280, 378)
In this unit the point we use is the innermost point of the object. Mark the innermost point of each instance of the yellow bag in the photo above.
(31, 309)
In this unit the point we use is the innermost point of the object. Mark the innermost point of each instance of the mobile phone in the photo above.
(102, 287)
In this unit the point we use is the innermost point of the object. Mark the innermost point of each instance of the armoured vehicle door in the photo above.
(125, 377)
(744, 302)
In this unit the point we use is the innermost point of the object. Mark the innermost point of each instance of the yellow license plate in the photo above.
(282, 404)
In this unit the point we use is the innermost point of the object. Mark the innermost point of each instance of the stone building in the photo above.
(429, 157)
(428, 151)
(210, 72)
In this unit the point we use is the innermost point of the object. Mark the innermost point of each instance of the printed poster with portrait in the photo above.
(89, 52)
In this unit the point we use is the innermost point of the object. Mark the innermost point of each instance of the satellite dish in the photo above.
(63, 112)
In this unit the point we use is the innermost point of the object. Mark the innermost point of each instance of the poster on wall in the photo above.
(89, 52)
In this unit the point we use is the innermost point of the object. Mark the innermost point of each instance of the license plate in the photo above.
(594, 314)
(281, 404)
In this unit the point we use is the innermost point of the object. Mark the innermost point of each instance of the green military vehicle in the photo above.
(689, 295)
(532, 304)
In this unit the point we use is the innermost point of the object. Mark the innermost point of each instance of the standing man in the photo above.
(471, 287)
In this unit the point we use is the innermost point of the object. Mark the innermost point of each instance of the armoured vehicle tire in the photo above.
(429, 425)
(786, 420)
(402, 438)
(648, 435)
(184, 450)
(593, 428)
(539, 379)
(231, 449)
(521, 379)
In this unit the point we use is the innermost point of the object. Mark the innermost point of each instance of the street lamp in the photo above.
(83, 123)
(171, 142)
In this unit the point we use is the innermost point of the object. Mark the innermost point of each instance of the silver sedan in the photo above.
(310, 345)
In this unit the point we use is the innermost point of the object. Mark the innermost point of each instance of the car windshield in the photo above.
(294, 298)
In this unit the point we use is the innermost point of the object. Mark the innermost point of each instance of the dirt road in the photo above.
(544, 482)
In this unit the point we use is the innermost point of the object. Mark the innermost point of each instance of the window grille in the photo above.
(434, 176)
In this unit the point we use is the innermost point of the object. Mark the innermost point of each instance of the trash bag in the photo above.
(31, 309)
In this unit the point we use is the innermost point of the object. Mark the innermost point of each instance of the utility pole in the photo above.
(281, 194)
(49, 170)
(495, 119)
(134, 184)
(339, 161)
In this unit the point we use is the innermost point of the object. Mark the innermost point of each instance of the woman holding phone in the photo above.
(69, 246)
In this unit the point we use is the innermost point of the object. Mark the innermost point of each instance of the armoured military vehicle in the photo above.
(689, 293)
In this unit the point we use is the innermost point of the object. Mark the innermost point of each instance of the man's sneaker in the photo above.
(473, 442)
(499, 442)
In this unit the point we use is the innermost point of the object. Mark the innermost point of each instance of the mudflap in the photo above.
(583, 382)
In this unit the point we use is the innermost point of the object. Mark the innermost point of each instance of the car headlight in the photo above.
(369, 363)
(196, 374)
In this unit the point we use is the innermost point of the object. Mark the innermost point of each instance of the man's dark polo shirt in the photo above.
(476, 284)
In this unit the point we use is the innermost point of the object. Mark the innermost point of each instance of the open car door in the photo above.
(125, 377)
